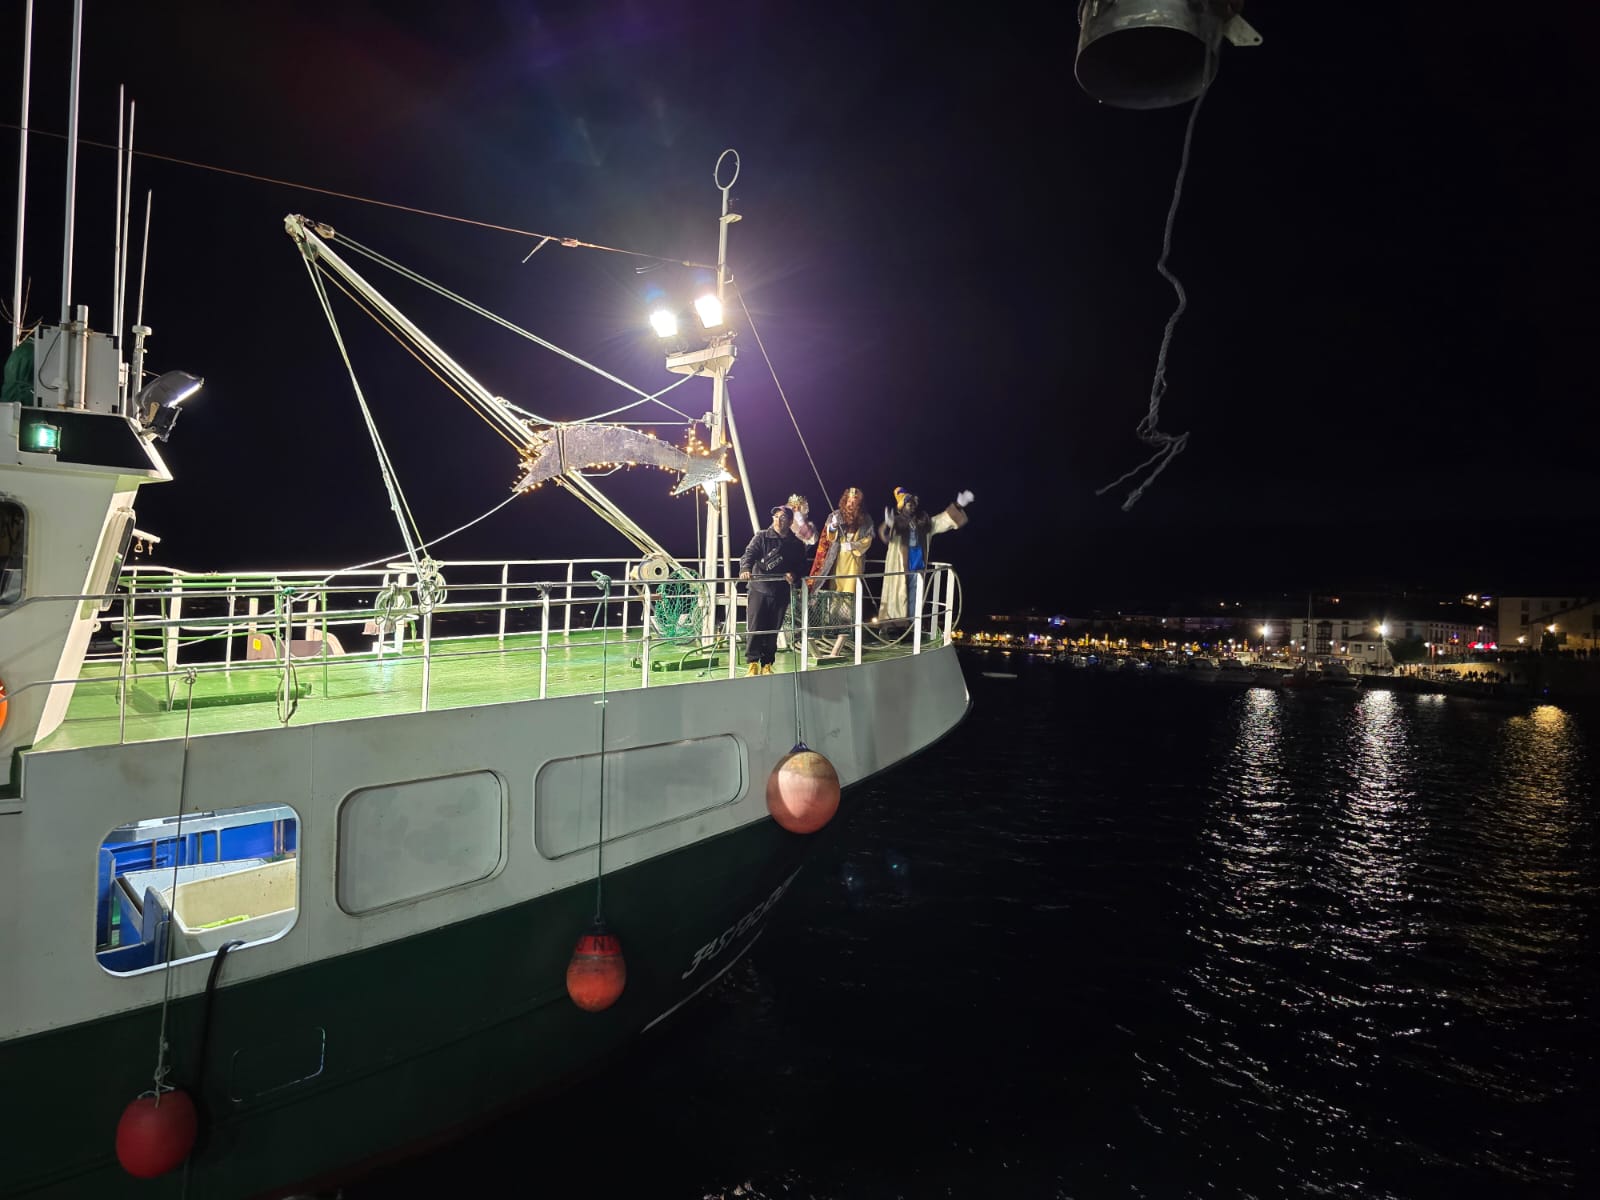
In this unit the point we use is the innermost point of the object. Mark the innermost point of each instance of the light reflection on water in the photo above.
(1381, 895)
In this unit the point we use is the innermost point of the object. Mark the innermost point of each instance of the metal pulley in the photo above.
(1154, 53)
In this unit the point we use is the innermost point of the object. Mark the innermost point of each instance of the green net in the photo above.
(677, 607)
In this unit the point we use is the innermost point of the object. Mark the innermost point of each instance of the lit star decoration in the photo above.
(558, 450)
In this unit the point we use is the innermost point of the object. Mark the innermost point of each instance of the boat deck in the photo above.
(202, 654)
(459, 672)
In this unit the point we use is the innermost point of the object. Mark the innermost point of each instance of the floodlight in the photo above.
(157, 402)
(665, 322)
(709, 309)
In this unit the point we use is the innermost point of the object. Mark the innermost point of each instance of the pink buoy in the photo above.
(156, 1133)
(803, 791)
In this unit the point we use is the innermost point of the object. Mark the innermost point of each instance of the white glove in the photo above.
(963, 499)
(886, 515)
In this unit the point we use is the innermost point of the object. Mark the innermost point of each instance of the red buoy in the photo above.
(597, 973)
(156, 1133)
(803, 791)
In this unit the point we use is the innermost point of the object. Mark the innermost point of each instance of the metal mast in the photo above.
(718, 360)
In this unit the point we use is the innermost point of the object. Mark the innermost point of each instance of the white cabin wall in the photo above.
(69, 514)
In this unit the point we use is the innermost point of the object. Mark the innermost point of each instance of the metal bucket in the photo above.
(1147, 53)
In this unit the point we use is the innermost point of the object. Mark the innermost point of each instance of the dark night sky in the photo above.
(1387, 236)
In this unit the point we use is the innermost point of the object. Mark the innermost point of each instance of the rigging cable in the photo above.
(425, 545)
(739, 292)
(570, 243)
(409, 348)
(397, 502)
(1168, 445)
(422, 281)
(602, 507)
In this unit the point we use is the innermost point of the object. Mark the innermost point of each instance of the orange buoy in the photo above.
(803, 791)
(597, 973)
(156, 1133)
(4, 704)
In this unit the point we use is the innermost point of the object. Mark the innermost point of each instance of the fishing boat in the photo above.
(302, 869)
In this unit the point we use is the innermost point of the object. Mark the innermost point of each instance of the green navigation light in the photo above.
(40, 438)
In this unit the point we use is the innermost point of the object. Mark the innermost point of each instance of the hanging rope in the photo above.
(1168, 445)
(751, 321)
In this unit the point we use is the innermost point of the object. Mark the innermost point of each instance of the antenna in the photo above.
(22, 177)
(119, 286)
(140, 329)
(122, 262)
(116, 214)
(72, 162)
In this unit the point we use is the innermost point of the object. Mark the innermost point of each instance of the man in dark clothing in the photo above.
(773, 560)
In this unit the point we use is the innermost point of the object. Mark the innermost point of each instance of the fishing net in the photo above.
(677, 606)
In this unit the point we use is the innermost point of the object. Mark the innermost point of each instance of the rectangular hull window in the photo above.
(13, 524)
(645, 787)
(178, 888)
(404, 841)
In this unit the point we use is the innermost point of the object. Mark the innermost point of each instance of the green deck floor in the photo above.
(461, 673)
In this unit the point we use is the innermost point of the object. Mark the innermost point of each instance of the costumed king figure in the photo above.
(842, 546)
(772, 561)
(908, 532)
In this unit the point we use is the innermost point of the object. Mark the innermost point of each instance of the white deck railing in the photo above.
(171, 627)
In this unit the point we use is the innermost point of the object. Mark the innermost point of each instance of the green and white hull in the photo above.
(354, 1034)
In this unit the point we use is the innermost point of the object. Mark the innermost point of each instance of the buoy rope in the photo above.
(161, 1084)
(600, 842)
(1168, 445)
(782, 395)
(569, 243)
(797, 662)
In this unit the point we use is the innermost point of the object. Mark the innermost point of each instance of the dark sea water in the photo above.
(1131, 936)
